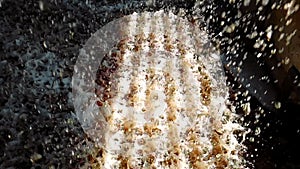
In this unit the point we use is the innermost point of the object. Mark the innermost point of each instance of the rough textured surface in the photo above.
(37, 128)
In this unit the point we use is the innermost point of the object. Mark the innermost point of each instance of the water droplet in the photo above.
(277, 105)
(265, 2)
(246, 2)
(257, 131)
(41, 5)
(230, 28)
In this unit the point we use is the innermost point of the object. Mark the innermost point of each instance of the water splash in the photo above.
(161, 96)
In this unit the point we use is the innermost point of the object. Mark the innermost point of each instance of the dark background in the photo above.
(39, 44)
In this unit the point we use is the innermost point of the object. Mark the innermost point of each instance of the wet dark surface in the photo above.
(39, 44)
